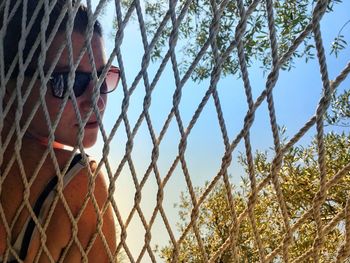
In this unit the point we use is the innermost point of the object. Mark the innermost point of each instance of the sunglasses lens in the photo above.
(111, 80)
(59, 82)
(81, 83)
(59, 85)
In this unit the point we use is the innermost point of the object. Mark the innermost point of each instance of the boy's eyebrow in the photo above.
(62, 68)
(67, 68)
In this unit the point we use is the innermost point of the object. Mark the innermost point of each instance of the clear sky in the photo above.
(296, 96)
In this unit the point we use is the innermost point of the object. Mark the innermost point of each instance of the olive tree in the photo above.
(299, 178)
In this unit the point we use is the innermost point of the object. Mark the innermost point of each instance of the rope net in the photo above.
(151, 214)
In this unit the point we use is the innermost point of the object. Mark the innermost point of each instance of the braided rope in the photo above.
(233, 213)
(274, 128)
(251, 170)
(320, 196)
(344, 251)
(173, 18)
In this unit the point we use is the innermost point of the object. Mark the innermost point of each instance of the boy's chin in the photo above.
(89, 142)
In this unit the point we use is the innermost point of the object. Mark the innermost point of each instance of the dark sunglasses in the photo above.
(59, 82)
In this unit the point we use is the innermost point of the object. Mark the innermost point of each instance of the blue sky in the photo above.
(296, 96)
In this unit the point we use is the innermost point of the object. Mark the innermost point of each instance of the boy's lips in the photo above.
(90, 125)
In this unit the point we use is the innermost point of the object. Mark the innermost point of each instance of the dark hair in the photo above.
(14, 28)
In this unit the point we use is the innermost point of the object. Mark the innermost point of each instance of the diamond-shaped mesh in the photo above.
(151, 216)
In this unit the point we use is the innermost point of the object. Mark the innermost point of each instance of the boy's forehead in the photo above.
(78, 44)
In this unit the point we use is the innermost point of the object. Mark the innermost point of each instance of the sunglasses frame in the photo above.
(112, 69)
(30, 73)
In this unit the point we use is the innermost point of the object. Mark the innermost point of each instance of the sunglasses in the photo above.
(59, 82)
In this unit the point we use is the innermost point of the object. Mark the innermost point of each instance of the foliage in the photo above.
(291, 17)
(299, 174)
(339, 42)
(339, 113)
(299, 177)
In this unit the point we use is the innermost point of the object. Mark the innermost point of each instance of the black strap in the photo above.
(37, 207)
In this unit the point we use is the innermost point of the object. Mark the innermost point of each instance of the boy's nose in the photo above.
(87, 98)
